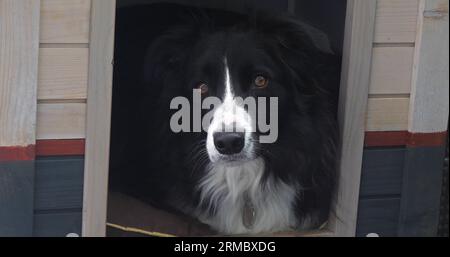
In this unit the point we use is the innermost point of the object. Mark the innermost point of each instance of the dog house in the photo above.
(56, 62)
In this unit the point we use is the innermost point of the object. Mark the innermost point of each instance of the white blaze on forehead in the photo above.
(228, 97)
(229, 116)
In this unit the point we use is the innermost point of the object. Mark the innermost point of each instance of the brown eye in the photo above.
(203, 88)
(261, 82)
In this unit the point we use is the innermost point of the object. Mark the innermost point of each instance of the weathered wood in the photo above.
(354, 90)
(421, 191)
(387, 114)
(429, 108)
(59, 183)
(16, 198)
(396, 21)
(382, 172)
(98, 117)
(57, 224)
(65, 21)
(63, 73)
(61, 120)
(391, 70)
(19, 49)
(378, 216)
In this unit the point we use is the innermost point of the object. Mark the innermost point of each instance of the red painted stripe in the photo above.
(60, 147)
(427, 139)
(404, 138)
(17, 153)
(385, 138)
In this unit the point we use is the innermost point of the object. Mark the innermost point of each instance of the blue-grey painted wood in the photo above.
(378, 216)
(422, 181)
(382, 172)
(16, 198)
(59, 183)
(57, 224)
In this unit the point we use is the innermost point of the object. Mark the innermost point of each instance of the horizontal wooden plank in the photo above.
(60, 147)
(382, 172)
(391, 70)
(65, 21)
(385, 138)
(57, 224)
(378, 216)
(396, 21)
(63, 73)
(59, 183)
(61, 120)
(404, 138)
(387, 114)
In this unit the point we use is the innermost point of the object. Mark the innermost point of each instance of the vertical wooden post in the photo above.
(355, 78)
(98, 122)
(19, 51)
(428, 116)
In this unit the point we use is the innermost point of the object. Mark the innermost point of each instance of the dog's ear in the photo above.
(168, 52)
(291, 32)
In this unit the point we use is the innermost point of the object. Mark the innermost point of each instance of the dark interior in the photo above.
(151, 18)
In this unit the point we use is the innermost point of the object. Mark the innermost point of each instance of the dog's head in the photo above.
(277, 62)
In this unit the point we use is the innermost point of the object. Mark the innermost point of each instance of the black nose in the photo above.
(229, 142)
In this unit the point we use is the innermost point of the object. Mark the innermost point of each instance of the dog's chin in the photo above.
(233, 160)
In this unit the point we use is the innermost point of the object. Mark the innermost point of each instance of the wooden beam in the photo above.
(429, 106)
(19, 51)
(65, 21)
(356, 66)
(98, 117)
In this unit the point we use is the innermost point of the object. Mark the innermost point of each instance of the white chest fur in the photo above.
(225, 189)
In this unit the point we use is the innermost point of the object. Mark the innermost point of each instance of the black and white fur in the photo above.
(289, 182)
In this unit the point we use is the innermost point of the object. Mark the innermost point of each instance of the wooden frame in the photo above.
(98, 122)
(360, 21)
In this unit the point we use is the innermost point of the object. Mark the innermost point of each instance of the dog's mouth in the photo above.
(233, 160)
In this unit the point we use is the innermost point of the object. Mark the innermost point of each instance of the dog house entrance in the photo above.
(353, 92)
(139, 24)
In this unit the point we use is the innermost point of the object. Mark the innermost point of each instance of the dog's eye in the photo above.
(203, 88)
(261, 81)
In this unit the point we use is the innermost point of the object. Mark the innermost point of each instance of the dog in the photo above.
(228, 180)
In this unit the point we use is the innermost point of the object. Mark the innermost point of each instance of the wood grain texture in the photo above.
(65, 21)
(61, 121)
(98, 117)
(421, 191)
(396, 21)
(429, 107)
(379, 216)
(387, 114)
(59, 183)
(19, 46)
(16, 198)
(63, 73)
(382, 172)
(391, 70)
(354, 91)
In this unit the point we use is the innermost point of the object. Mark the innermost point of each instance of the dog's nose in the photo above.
(229, 142)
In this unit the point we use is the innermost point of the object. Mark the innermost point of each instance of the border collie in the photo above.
(228, 180)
